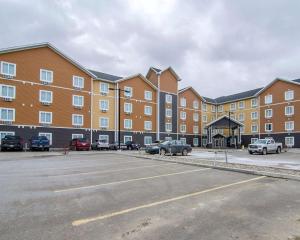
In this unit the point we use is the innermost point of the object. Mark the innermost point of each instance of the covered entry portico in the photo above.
(231, 139)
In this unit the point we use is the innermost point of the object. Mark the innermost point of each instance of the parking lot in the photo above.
(112, 196)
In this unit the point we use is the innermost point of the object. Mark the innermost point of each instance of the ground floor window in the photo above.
(147, 140)
(3, 134)
(195, 142)
(183, 140)
(204, 142)
(289, 141)
(104, 138)
(47, 135)
(168, 138)
(127, 138)
(253, 140)
(77, 135)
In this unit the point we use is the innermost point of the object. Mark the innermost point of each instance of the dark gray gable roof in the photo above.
(210, 100)
(296, 80)
(156, 69)
(105, 76)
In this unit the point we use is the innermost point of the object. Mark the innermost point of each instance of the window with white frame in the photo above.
(196, 142)
(127, 138)
(8, 69)
(289, 125)
(148, 110)
(7, 114)
(204, 107)
(168, 98)
(7, 91)
(148, 95)
(183, 102)
(168, 127)
(254, 102)
(241, 104)
(104, 88)
(128, 92)
(168, 112)
(232, 106)
(46, 76)
(290, 141)
(45, 96)
(220, 108)
(104, 138)
(104, 122)
(104, 105)
(183, 140)
(78, 82)
(147, 140)
(182, 115)
(196, 105)
(195, 129)
(183, 128)
(77, 135)
(242, 129)
(47, 135)
(204, 118)
(268, 99)
(213, 118)
(254, 115)
(45, 117)
(148, 125)
(253, 140)
(289, 95)
(127, 123)
(268, 113)
(196, 117)
(77, 120)
(241, 117)
(168, 138)
(213, 108)
(78, 101)
(268, 127)
(128, 107)
(289, 110)
(254, 128)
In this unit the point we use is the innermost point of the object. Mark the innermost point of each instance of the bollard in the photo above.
(215, 158)
(226, 156)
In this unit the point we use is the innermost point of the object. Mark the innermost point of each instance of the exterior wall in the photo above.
(152, 77)
(168, 82)
(163, 118)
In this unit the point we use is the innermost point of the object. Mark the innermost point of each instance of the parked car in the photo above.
(10, 142)
(153, 148)
(39, 143)
(173, 147)
(264, 146)
(100, 145)
(80, 144)
(131, 145)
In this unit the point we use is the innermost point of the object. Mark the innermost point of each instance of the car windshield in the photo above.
(165, 142)
(8, 137)
(81, 140)
(261, 141)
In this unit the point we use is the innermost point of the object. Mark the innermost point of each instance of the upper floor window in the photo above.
(7, 91)
(148, 110)
(233, 106)
(78, 101)
(183, 115)
(241, 117)
(45, 117)
(213, 108)
(289, 95)
(104, 105)
(268, 99)
(268, 113)
(127, 123)
(168, 127)
(254, 115)
(241, 104)
(78, 82)
(289, 110)
(254, 128)
(183, 128)
(204, 118)
(128, 107)
(168, 98)
(254, 102)
(183, 102)
(268, 127)
(204, 107)
(77, 120)
(289, 126)
(148, 125)
(148, 95)
(104, 88)
(104, 122)
(46, 76)
(220, 108)
(128, 92)
(195, 129)
(45, 96)
(168, 112)
(196, 117)
(7, 114)
(8, 69)
(196, 105)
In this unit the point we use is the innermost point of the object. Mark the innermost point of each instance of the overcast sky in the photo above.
(218, 47)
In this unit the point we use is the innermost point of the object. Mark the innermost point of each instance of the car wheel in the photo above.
(278, 150)
(162, 151)
(184, 152)
(250, 152)
(264, 152)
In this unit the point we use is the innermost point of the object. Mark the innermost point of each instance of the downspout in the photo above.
(92, 110)
(158, 108)
(116, 112)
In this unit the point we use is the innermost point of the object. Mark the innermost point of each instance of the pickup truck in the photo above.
(100, 145)
(264, 146)
(12, 143)
(39, 143)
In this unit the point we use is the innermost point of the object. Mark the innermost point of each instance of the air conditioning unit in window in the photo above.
(77, 126)
(78, 88)
(45, 124)
(45, 83)
(103, 93)
(46, 103)
(103, 128)
(7, 122)
(7, 99)
(78, 107)
(103, 110)
(128, 113)
(7, 76)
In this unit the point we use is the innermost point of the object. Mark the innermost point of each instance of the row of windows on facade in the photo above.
(288, 96)
(288, 111)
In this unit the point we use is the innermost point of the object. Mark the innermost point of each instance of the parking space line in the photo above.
(111, 171)
(130, 180)
(101, 217)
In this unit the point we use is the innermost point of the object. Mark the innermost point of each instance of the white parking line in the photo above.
(129, 180)
(101, 217)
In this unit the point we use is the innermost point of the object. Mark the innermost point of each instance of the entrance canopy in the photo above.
(224, 123)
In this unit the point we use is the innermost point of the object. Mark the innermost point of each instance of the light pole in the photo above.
(229, 127)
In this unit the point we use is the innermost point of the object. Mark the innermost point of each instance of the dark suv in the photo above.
(10, 142)
(130, 145)
(39, 143)
(172, 147)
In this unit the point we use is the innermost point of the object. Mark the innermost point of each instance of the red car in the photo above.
(80, 144)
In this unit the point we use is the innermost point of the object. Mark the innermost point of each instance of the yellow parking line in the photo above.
(101, 217)
(130, 180)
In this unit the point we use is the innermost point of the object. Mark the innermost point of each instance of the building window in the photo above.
(241, 117)
(104, 122)
(204, 107)
(213, 118)
(7, 114)
(268, 99)
(127, 138)
(241, 105)
(148, 110)
(289, 141)
(77, 135)
(196, 142)
(78, 82)
(183, 115)
(128, 92)
(148, 125)
(204, 118)
(254, 115)
(288, 95)
(77, 120)
(242, 129)
(128, 107)
(268, 127)
(196, 105)
(45, 96)
(8, 69)
(78, 101)
(254, 128)
(148, 95)
(104, 138)
(253, 140)
(104, 88)
(168, 127)
(254, 102)
(183, 140)
(47, 135)
(147, 140)
(127, 123)
(46, 76)
(168, 112)
(104, 105)
(183, 102)
(289, 126)
(195, 129)
(232, 106)
(7, 91)
(220, 108)
(289, 110)
(168, 98)
(196, 117)
(3, 134)
(213, 108)
(268, 113)
(45, 117)
(183, 128)
(168, 138)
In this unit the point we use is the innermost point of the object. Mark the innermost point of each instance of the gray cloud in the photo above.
(219, 47)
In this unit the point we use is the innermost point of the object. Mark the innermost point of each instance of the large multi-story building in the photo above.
(44, 92)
